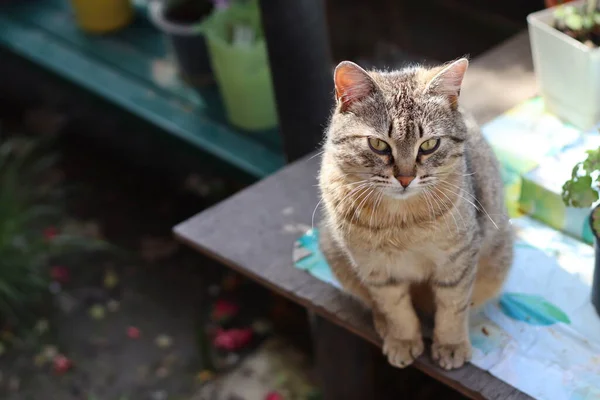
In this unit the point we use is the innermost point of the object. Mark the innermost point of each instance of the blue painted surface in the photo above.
(532, 309)
(315, 263)
(529, 308)
(483, 343)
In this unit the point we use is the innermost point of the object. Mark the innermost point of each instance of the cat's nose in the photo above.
(405, 180)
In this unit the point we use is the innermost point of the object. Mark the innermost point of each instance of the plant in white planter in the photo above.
(566, 57)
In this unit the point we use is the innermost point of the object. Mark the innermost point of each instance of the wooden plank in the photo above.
(250, 232)
(239, 150)
(351, 373)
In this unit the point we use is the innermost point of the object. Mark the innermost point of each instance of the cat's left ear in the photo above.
(352, 84)
(448, 81)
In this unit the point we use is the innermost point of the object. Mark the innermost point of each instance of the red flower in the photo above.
(133, 332)
(61, 364)
(232, 339)
(60, 274)
(50, 233)
(223, 310)
(273, 396)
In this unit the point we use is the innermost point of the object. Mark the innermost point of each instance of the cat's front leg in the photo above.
(402, 341)
(452, 291)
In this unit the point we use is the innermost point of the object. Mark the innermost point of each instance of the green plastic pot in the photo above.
(242, 72)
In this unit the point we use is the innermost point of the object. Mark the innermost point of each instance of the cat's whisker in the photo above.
(429, 204)
(451, 173)
(474, 198)
(317, 154)
(355, 183)
(358, 210)
(456, 208)
(360, 188)
(441, 205)
(373, 212)
(482, 209)
(451, 209)
(344, 185)
(364, 185)
(312, 223)
(434, 203)
(374, 208)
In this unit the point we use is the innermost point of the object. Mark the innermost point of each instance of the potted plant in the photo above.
(582, 191)
(564, 43)
(104, 16)
(182, 22)
(238, 54)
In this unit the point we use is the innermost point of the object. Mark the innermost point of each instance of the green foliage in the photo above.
(29, 205)
(577, 18)
(582, 189)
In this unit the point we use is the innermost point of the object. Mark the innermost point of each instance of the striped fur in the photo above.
(443, 245)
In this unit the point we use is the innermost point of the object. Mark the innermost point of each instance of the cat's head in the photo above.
(400, 132)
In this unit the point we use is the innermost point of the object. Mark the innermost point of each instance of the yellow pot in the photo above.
(102, 16)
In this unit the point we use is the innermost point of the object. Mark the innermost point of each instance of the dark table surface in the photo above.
(254, 231)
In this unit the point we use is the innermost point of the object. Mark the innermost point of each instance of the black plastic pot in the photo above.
(182, 23)
(596, 280)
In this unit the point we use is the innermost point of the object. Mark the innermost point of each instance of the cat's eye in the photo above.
(379, 146)
(429, 146)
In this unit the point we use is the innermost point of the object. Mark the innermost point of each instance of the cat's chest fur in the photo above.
(402, 253)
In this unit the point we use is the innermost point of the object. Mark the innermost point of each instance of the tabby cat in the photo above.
(414, 217)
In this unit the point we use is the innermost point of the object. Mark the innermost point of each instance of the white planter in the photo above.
(567, 71)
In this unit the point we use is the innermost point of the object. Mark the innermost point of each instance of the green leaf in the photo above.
(574, 22)
(581, 189)
(570, 10)
(582, 194)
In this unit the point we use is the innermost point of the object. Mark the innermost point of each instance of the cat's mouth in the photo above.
(401, 193)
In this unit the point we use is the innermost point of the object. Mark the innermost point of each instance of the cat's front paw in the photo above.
(402, 352)
(451, 356)
(380, 323)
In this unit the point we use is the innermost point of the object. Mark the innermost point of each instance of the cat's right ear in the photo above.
(352, 84)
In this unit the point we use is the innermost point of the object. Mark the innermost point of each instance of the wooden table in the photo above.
(250, 232)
